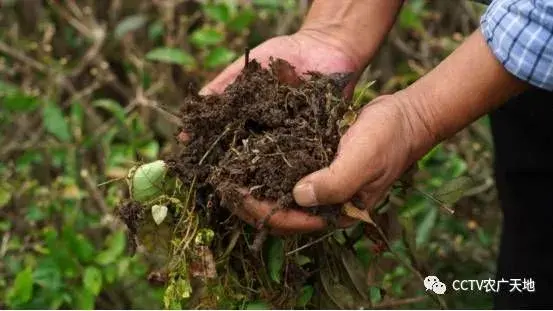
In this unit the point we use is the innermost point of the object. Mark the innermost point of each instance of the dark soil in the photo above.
(266, 131)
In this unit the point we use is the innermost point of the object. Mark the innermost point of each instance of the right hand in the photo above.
(306, 50)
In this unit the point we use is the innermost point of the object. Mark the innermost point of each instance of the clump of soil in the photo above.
(266, 131)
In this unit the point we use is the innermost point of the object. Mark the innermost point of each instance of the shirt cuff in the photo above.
(520, 34)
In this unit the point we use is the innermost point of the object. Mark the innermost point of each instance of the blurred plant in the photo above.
(87, 91)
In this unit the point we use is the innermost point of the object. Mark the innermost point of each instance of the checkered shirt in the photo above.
(520, 35)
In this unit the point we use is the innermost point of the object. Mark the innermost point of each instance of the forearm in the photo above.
(465, 86)
(358, 26)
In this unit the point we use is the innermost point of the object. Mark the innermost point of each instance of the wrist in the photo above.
(357, 27)
(418, 123)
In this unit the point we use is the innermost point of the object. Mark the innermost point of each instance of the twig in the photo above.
(4, 245)
(310, 243)
(8, 50)
(227, 129)
(90, 186)
(259, 239)
(440, 203)
(246, 57)
(141, 101)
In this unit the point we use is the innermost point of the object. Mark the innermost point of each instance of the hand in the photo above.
(306, 50)
(376, 150)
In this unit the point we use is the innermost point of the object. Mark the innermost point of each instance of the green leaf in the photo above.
(205, 37)
(355, 271)
(453, 190)
(275, 257)
(54, 122)
(375, 294)
(112, 106)
(110, 273)
(258, 305)
(426, 226)
(48, 274)
(217, 11)
(302, 260)
(171, 56)
(19, 102)
(92, 280)
(242, 20)
(85, 300)
(270, 4)
(5, 193)
(129, 24)
(410, 16)
(218, 57)
(22, 288)
(79, 245)
(150, 150)
(339, 294)
(77, 115)
(155, 31)
(116, 247)
(34, 213)
(305, 296)
(14, 99)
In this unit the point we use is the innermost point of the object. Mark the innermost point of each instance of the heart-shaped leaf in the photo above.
(159, 212)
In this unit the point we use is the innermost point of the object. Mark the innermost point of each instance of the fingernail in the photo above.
(205, 91)
(304, 194)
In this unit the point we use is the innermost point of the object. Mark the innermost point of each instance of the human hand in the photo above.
(375, 151)
(306, 50)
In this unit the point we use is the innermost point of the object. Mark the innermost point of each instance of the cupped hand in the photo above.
(306, 50)
(375, 151)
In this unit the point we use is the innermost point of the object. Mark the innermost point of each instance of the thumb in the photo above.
(361, 160)
(338, 182)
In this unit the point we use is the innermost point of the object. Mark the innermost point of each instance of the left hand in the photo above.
(376, 150)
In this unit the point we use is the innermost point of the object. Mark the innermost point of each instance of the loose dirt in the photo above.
(266, 131)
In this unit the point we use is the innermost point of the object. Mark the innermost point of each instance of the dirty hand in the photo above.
(305, 50)
(372, 155)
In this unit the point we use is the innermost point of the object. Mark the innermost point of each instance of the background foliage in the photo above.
(90, 88)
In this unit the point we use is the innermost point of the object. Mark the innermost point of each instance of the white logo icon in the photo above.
(432, 283)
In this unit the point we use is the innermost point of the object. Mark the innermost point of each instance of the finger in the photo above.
(288, 220)
(354, 166)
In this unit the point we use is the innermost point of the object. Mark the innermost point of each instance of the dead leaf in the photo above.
(353, 212)
(285, 73)
(202, 264)
(355, 271)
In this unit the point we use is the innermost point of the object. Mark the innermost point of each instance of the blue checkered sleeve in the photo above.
(520, 35)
